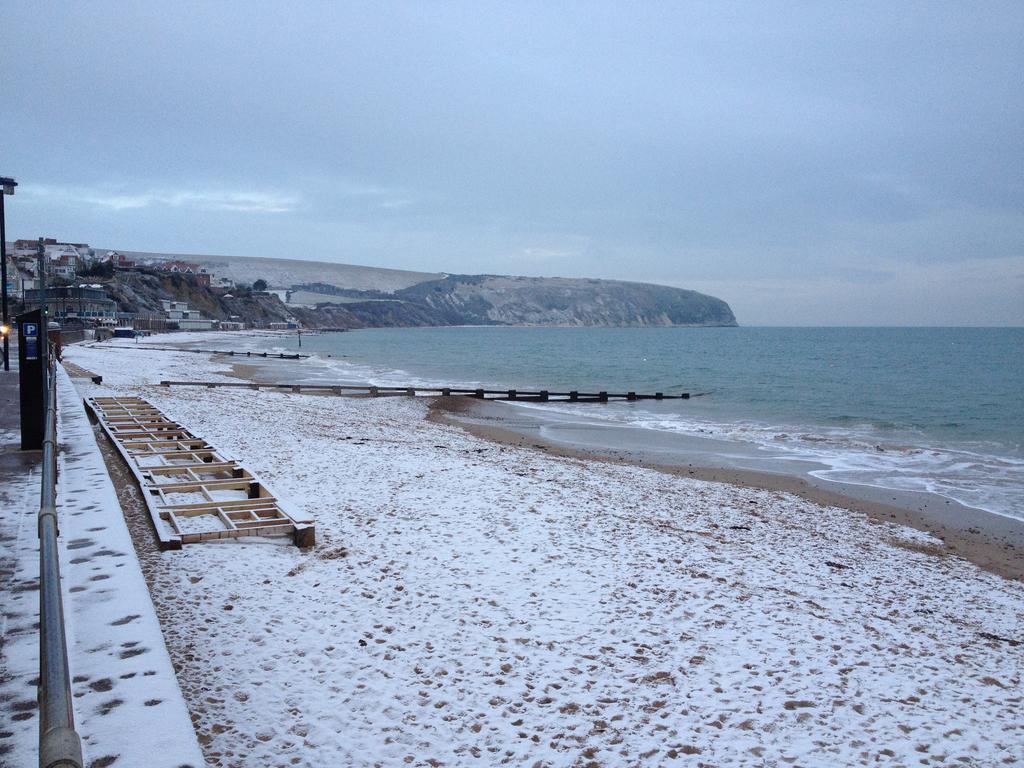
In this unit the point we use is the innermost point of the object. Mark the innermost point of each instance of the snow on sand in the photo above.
(477, 604)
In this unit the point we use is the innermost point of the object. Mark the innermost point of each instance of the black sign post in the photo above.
(31, 362)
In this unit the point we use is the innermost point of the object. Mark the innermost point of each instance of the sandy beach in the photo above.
(992, 542)
(476, 602)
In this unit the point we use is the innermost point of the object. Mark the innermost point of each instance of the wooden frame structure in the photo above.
(192, 491)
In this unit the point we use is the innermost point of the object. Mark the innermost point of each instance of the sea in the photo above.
(938, 410)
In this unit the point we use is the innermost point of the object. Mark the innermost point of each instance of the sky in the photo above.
(811, 163)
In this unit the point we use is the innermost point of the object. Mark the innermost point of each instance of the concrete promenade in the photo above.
(19, 583)
(128, 706)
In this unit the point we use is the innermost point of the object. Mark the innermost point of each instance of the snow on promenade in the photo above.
(128, 707)
(475, 604)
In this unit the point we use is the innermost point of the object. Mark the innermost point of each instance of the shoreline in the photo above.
(996, 546)
(990, 541)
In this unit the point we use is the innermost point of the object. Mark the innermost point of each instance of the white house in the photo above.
(187, 319)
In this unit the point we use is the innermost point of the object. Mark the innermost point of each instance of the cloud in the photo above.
(396, 204)
(247, 201)
(544, 254)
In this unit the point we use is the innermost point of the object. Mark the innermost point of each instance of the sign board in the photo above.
(31, 336)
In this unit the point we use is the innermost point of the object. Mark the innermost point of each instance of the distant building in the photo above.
(31, 247)
(186, 318)
(119, 260)
(20, 280)
(201, 274)
(21, 276)
(180, 267)
(62, 260)
(73, 302)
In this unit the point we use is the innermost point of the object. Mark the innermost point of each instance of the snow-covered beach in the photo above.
(470, 603)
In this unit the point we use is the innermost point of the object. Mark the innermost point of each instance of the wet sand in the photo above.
(990, 541)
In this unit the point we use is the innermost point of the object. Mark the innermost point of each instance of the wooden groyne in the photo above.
(368, 390)
(192, 491)
(228, 352)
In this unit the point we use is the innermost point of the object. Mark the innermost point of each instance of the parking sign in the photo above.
(31, 332)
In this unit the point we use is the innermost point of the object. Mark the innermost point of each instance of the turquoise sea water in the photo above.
(938, 409)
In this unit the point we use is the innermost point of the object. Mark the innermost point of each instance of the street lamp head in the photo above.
(4, 329)
(8, 185)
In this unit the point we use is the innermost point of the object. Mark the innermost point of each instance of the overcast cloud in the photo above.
(810, 163)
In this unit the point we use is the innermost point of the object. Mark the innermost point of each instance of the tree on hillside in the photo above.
(260, 285)
(103, 269)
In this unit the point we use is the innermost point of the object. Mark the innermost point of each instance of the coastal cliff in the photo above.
(322, 295)
(489, 299)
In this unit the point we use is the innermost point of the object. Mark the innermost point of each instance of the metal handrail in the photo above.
(60, 746)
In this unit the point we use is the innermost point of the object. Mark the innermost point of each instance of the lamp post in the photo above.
(7, 186)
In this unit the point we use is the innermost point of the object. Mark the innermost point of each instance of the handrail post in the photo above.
(59, 744)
